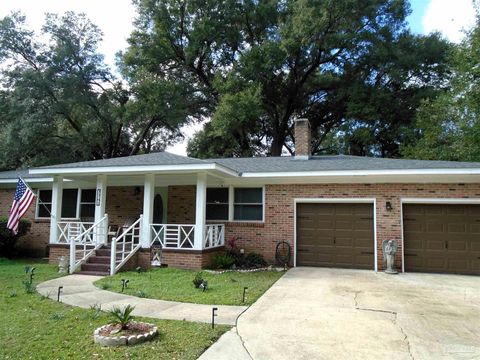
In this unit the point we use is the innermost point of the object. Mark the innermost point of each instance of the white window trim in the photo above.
(231, 203)
(214, 203)
(79, 197)
(262, 204)
(372, 201)
(446, 201)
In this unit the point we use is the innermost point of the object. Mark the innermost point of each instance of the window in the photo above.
(217, 204)
(71, 208)
(248, 204)
(44, 203)
(87, 204)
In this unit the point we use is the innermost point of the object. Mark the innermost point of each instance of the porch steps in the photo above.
(98, 264)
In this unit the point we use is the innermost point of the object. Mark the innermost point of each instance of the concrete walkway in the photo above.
(78, 290)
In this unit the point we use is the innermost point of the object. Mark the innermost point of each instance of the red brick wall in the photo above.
(122, 203)
(181, 204)
(279, 211)
(35, 242)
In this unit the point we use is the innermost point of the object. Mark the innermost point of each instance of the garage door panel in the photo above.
(442, 238)
(342, 235)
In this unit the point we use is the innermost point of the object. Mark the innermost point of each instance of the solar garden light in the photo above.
(214, 313)
(124, 284)
(58, 293)
(244, 291)
(32, 273)
(204, 285)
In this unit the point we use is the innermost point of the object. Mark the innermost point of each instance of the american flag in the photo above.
(21, 202)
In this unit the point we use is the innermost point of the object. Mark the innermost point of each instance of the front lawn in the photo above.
(176, 285)
(33, 327)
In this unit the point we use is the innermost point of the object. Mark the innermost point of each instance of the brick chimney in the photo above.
(303, 138)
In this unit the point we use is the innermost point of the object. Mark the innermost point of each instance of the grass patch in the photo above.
(176, 285)
(34, 327)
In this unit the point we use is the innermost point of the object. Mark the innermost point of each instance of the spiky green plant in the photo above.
(122, 316)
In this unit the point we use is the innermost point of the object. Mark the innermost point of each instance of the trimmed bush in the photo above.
(253, 259)
(222, 261)
(8, 239)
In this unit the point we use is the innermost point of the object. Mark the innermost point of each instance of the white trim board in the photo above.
(446, 201)
(372, 201)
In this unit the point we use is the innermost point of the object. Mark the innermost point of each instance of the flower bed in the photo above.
(135, 333)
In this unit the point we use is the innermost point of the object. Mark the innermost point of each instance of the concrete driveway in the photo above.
(318, 313)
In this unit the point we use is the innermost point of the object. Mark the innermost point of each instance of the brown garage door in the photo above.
(442, 238)
(335, 235)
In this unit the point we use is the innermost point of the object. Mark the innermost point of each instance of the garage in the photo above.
(335, 235)
(442, 238)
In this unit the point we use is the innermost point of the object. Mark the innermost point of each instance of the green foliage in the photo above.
(449, 126)
(253, 259)
(122, 316)
(252, 67)
(198, 280)
(29, 287)
(141, 294)
(222, 260)
(8, 239)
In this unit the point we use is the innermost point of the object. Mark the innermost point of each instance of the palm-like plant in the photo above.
(122, 316)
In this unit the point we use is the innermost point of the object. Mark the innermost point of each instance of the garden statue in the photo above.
(157, 256)
(389, 248)
(62, 265)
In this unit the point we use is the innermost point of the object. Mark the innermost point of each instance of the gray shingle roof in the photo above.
(336, 163)
(159, 158)
(13, 174)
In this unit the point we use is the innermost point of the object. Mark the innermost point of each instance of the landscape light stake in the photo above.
(58, 293)
(32, 274)
(214, 313)
(244, 291)
(124, 284)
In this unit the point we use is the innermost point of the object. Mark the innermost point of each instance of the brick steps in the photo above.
(98, 264)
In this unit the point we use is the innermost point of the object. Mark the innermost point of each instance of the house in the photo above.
(334, 211)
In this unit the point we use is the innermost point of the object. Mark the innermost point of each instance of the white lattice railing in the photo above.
(83, 244)
(181, 236)
(68, 230)
(173, 236)
(214, 236)
(125, 246)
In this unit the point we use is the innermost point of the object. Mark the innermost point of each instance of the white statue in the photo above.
(62, 265)
(389, 248)
(157, 256)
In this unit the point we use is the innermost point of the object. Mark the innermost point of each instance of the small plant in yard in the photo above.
(123, 316)
(106, 286)
(13, 293)
(95, 311)
(222, 260)
(198, 280)
(253, 259)
(57, 316)
(141, 294)
(29, 287)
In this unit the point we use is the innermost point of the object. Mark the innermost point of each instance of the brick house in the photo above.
(333, 211)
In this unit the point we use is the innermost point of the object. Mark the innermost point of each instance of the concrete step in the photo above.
(95, 273)
(98, 260)
(96, 267)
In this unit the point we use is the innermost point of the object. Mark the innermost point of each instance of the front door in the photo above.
(158, 209)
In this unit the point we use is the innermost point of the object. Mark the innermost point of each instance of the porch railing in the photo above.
(173, 236)
(181, 236)
(125, 246)
(84, 244)
(68, 230)
(214, 236)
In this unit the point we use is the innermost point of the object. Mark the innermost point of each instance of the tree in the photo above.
(259, 64)
(61, 103)
(448, 127)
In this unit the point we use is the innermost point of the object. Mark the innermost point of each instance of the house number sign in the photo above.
(98, 197)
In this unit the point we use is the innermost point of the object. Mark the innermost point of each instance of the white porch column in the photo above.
(200, 211)
(100, 203)
(56, 211)
(148, 198)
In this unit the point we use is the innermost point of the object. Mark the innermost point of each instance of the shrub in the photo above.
(198, 280)
(253, 259)
(222, 261)
(122, 316)
(8, 239)
(29, 287)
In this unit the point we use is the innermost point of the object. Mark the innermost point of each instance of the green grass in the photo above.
(33, 327)
(176, 285)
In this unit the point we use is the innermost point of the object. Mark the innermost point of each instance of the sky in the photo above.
(449, 17)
